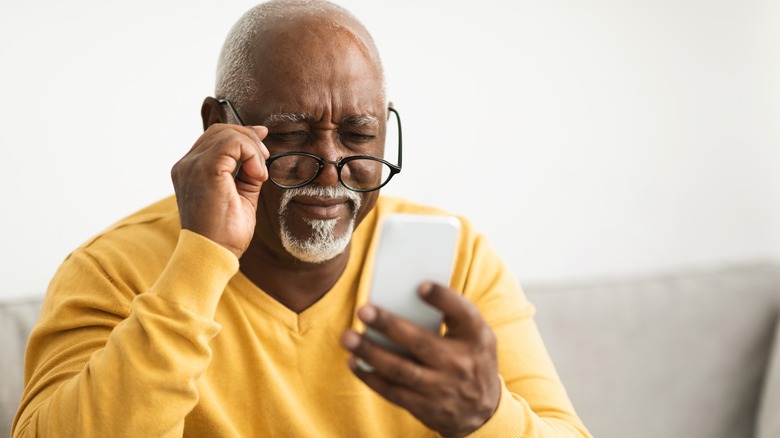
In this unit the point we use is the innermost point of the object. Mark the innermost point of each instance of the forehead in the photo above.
(312, 62)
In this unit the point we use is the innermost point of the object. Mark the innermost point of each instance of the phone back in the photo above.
(413, 249)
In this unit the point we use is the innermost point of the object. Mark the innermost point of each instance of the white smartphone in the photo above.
(412, 249)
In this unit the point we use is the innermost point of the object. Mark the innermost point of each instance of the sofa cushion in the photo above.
(768, 424)
(675, 355)
(16, 320)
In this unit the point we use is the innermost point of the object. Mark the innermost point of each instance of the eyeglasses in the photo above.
(360, 173)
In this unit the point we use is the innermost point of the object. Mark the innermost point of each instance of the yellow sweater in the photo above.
(137, 338)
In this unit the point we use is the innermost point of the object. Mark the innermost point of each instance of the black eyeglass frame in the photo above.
(394, 169)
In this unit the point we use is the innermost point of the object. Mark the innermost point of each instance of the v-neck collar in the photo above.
(299, 323)
(350, 290)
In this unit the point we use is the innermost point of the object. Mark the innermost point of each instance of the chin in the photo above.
(316, 222)
(322, 242)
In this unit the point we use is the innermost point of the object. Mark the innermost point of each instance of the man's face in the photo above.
(321, 93)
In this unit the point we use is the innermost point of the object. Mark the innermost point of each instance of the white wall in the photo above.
(585, 138)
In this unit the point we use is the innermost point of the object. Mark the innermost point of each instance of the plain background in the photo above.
(595, 138)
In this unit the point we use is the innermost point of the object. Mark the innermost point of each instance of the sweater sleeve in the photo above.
(105, 362)
(533, 400)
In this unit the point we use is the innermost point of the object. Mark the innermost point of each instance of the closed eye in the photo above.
(285, 138)
(356, 138)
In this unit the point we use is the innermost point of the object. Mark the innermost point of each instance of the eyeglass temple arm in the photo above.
(400, 135)
(233, 111)
(240, 122)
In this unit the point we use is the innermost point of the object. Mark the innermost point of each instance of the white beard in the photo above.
(323, 244)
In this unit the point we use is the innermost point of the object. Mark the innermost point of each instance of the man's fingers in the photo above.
(218, 182)
(253, 170)
(208, 136)
(394, 393)
(460, 315)
(260, 133)
(251, 161)
(421, 343)
(385, 364)
(461, 387)
(239, 149)
(218, 131)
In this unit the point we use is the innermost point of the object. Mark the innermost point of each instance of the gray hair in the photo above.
(235, 68)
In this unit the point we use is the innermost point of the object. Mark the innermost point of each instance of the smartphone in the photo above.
(412, 249)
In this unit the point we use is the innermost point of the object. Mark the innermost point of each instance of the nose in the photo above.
(330, 173)
(327, 147)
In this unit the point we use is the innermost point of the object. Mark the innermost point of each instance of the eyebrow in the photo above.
(361, 120)
(287, 117)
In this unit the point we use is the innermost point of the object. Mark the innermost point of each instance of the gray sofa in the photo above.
(688, 354)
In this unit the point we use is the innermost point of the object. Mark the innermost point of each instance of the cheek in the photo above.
(268, 206)
(367, 202)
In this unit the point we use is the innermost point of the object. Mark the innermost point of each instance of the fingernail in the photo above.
(350, 340)
(367, 313)
(363, 365)
(425, 289)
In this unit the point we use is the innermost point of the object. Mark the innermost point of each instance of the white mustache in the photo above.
(334, 191)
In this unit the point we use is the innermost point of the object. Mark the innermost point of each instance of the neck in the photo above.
(295, 284)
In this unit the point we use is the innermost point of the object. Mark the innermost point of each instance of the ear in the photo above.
(212, 112)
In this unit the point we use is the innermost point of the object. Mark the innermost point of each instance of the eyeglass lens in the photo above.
(360, 174)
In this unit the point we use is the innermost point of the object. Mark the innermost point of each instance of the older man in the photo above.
(230, 311)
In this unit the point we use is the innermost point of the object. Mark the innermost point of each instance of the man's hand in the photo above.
(452, 383)
(212, 202)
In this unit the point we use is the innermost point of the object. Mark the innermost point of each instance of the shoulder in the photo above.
(391, 204)
(387, 205)
(152, 225)
(137, 247)
(478, 272)
(117, 264)
(470, 242)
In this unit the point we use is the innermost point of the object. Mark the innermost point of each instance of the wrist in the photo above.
(196, 274)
